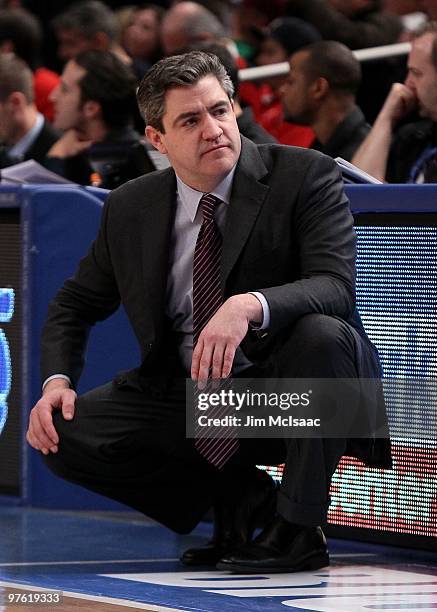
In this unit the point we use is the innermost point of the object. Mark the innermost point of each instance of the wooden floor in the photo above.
(68, 603)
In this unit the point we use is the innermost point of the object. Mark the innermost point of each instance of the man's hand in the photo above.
(69, 145)
(41, 433)
(400, 101)
(222, 335)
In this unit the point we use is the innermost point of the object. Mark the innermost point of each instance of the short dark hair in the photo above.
(177, 71)
(24, 30)
(334, 62)
(430, 27)
(88, 18)
(110, 83)
(225, 56)
(15, 75)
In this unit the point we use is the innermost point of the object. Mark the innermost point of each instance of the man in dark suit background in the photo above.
(24, 133)
(287, 273)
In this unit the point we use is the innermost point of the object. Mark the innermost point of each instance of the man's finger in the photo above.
(68, 408)
(217, 362)
(195, 360)
(205, 362)
(40, 437)
(228, 361)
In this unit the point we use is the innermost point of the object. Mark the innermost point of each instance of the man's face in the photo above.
(71, 43)
(422, 75)
(141, 37)
(201, 137)
(66, 98)
(271, 52)
(295, 93)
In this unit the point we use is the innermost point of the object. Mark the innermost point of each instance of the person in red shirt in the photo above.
(284, 37)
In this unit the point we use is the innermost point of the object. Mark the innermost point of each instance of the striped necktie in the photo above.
(207, 299)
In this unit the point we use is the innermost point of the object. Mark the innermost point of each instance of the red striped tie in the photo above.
(207, 299)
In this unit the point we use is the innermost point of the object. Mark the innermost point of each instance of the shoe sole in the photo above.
(315, 563)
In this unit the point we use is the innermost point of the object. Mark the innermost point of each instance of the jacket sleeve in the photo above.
(326, 251)
(91, 295)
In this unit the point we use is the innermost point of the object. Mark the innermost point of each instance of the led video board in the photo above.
(10, 352)
(397, 300)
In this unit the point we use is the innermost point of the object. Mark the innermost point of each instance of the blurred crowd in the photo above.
(69, 73)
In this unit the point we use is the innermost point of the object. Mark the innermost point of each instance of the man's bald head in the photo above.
(187, 23)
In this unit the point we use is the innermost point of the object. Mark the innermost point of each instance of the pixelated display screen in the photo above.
(397, 300)
(10, 351)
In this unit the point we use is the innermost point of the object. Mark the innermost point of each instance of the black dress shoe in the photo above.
(235, 519)
(281, 547)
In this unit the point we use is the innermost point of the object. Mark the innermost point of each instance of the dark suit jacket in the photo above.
(46, 139)
(289, 233)
(347, 137)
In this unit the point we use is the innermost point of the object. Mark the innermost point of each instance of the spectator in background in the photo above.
(95, 106)
(358, 24)
(24, 133)
(21, 34)
(408, 154)
(84, 26)
(249, 18)
(247, 125)
(187, 23)
(140, 37)
(320, 92)
(282, 39)
(222, 9)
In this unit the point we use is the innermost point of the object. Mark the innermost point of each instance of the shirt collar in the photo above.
(21, 147)
(190, 197)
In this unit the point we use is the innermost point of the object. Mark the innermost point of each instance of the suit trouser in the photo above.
(129, 444)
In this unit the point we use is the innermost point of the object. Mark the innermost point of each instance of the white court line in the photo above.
(104, 561)
(99, 561)
(109, 600)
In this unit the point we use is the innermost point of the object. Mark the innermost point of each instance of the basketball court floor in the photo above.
(109, 562)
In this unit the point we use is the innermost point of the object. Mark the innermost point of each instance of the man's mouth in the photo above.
(216, 148)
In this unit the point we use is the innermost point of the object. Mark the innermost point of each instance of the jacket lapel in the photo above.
(247, 197)
(155, 233)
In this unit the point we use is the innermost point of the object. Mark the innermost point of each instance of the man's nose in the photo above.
(53, 95)
(409, 81)
(211, 128)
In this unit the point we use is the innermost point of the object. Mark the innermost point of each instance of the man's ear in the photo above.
(155, 138)
(91, 109)
(16, 101)
(320, 88)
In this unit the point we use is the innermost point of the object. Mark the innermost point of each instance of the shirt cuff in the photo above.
(56, 376)
(266, 312)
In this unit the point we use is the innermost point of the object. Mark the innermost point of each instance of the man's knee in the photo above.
(321, 346)
(317, 333)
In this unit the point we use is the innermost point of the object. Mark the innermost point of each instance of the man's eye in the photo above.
(190, 122)
(220, 111)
